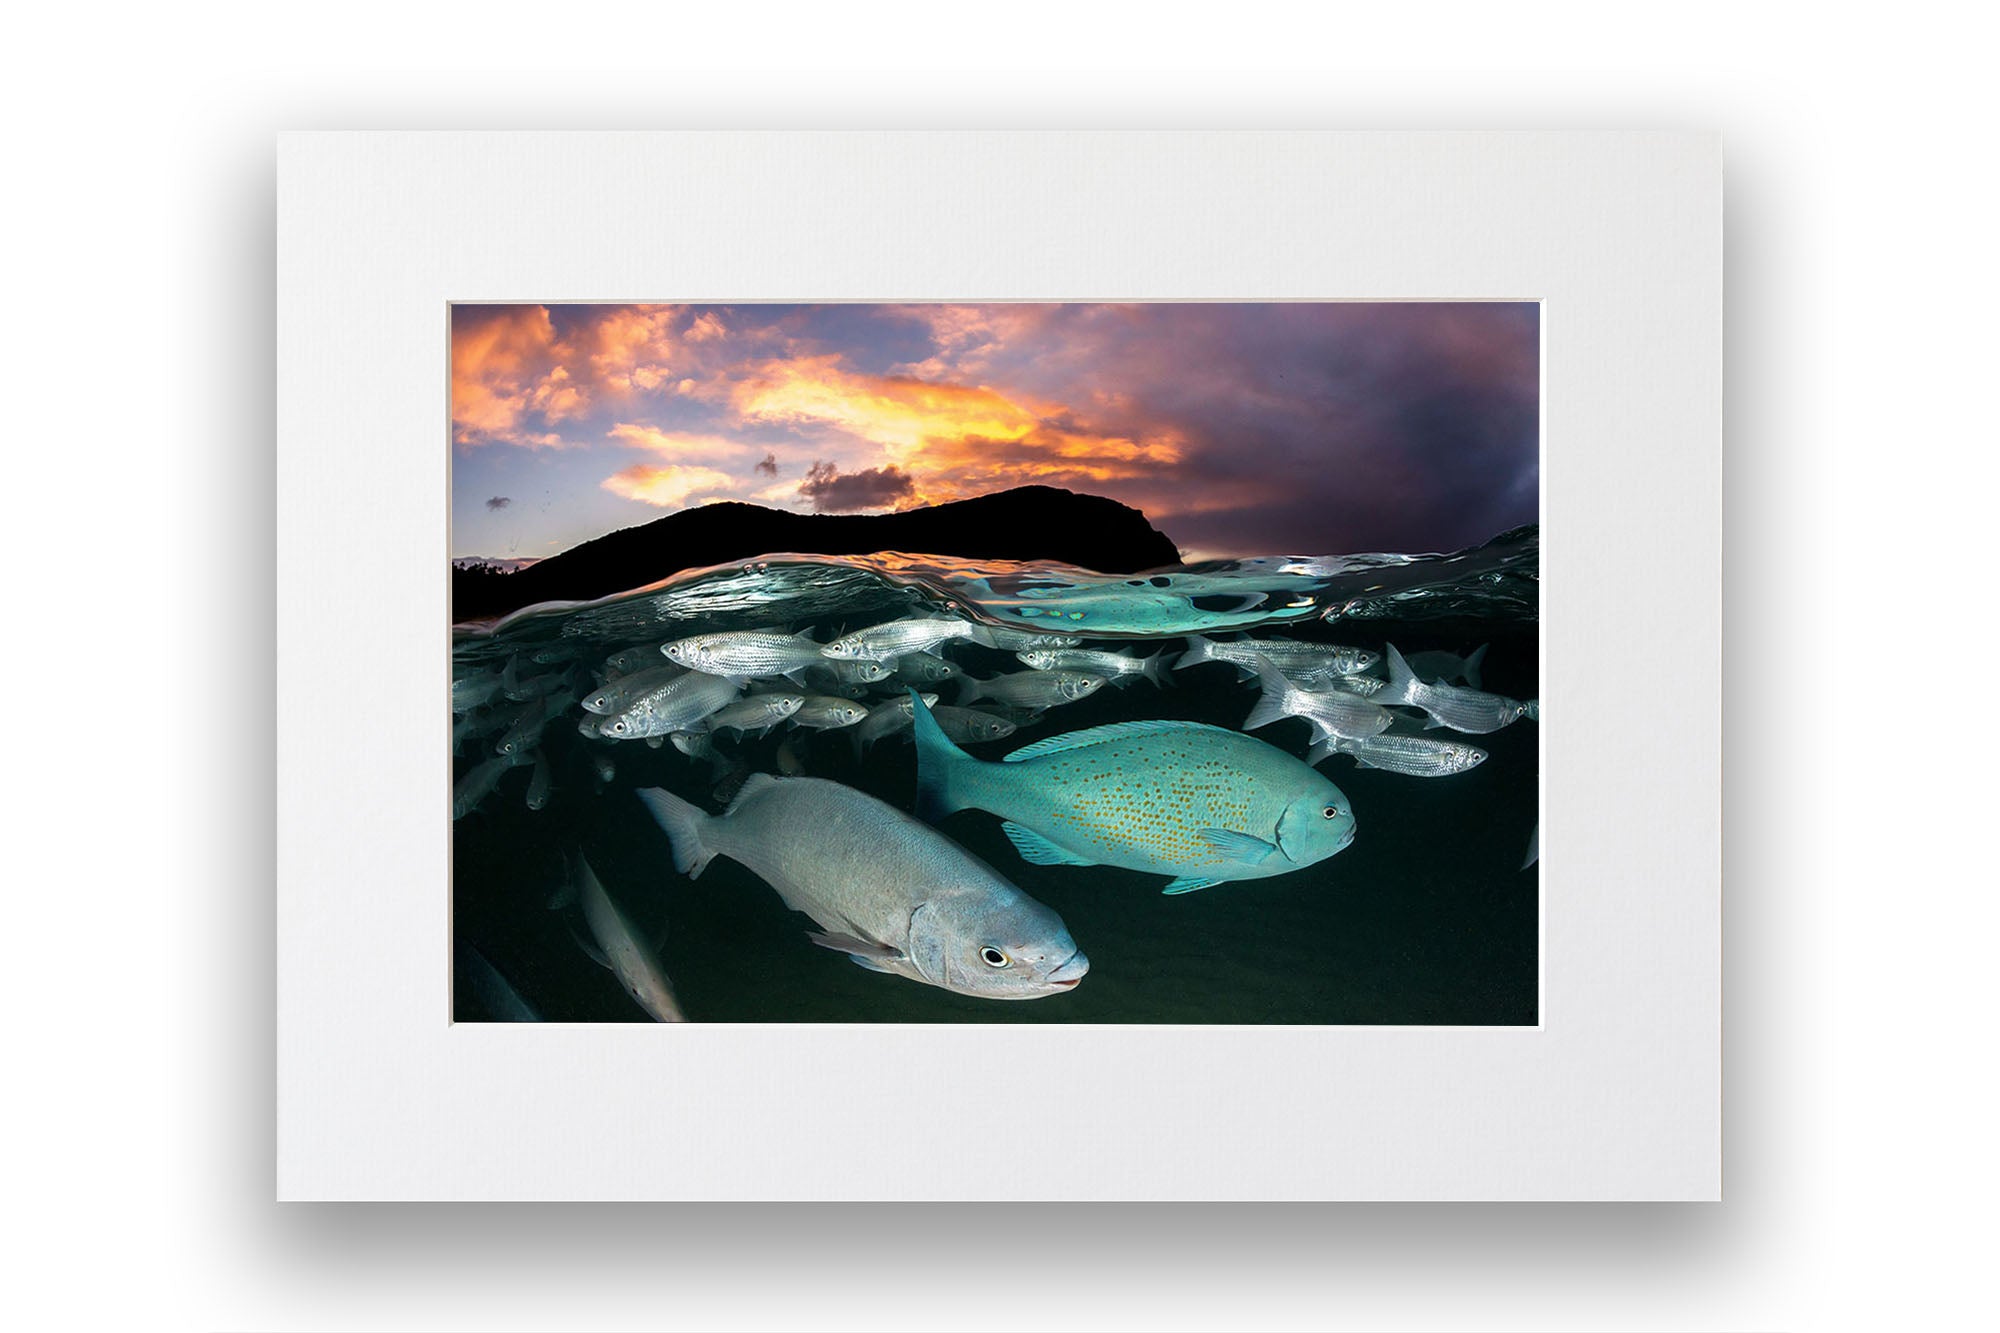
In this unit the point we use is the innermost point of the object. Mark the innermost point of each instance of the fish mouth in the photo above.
(1069, 972)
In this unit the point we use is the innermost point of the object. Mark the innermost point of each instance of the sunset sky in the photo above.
(1304, 429)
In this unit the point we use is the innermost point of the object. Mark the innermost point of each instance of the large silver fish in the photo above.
(1451, 706)
(881, 643)
(894, 895)
(1417, 756)
(1202, 804)
(626, 952)
(750, 652)
(1331, 712)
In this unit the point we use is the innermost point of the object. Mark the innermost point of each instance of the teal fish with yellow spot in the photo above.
(1199, 803)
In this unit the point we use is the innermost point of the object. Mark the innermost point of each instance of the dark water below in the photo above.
(1428, 918)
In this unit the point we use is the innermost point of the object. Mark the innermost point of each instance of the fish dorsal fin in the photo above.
(1038, 850)
(1077, 740)
(752, 784)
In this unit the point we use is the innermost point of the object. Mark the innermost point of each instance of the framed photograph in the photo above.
(846, 691)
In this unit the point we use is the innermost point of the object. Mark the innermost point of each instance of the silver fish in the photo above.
(886, 719)
(757, 713)
(924, 669)
(1417, 756)
(1449, 705)
(499, 1001)
(636, 658)
(675, 706)
(1020, 640)
(625, 951)
(969, 726)
(468, 692)
(538, 783)
(1119, 668)
(1331, 712)
(893, 894)
(1442, 666)
(616, 696)
(880, 643)
(750, 652)
(844, 671)
(534, 687)
(526, 731)
(477, 785)
(1033, 690)
(1288, 655)
(823, 712)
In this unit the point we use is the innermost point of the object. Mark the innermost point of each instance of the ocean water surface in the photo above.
(1429, 917)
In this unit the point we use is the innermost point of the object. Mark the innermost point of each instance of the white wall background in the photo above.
(137, 337)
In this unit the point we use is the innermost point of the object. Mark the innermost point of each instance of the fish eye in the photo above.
(992, 957)
(1331, 812)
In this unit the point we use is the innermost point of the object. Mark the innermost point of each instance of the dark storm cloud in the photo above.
(831, 492)
(768, 465)
(499, 502)
(1313, 428)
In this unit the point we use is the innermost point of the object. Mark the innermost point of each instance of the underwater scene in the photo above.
(911, 789)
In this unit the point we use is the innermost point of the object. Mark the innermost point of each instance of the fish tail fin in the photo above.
(1155, 669)
(1401, 678)
(982, 635)
(1272, 704)
(941, 766)
(1472, 665)
(1197, 651)
(970, 687)
(684, 825)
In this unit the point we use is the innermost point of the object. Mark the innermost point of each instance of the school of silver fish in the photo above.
(1202, 805)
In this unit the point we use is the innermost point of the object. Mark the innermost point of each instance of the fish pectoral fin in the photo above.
(1237, 846)
(1038, 850)
(1189, 883)
(856, 947)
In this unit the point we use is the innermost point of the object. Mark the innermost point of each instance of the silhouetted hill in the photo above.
(1026, 523)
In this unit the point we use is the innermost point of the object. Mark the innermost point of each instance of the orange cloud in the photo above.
(502, 368)
(677, 444)
(668, 487)
(953, 439)
(706, 328)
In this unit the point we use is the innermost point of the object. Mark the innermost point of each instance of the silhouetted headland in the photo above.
(1026, 523)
